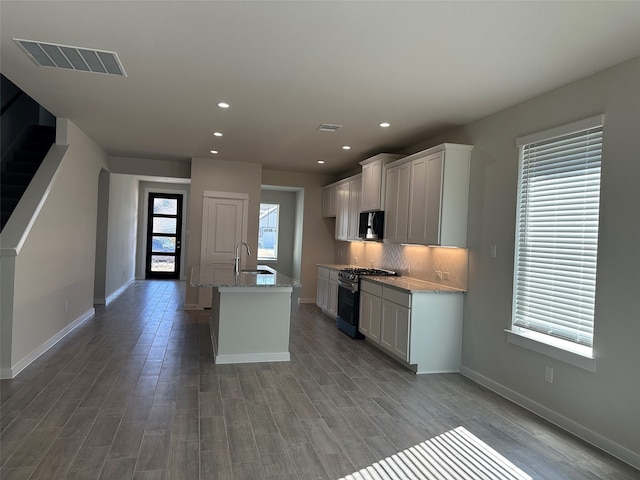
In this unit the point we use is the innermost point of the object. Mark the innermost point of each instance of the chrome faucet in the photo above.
(236, 267)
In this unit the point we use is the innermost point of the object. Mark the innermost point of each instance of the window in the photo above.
(268, 231)
(557, 235)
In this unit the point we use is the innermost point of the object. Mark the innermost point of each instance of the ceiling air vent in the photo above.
(328, 127)
(72, 58)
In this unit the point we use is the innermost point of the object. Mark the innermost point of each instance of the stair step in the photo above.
(16, 178)
(36, 146)
(8, 204)
(19, 171)
(21, 156)
(12, 191)
(42, 131)
(4, 218)
(23, 166)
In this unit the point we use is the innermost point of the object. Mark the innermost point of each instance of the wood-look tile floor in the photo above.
(133, 393)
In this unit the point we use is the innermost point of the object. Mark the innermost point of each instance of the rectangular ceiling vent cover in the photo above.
(328, 127)
(72, 58)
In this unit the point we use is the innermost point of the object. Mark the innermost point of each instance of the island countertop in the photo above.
(222, 275)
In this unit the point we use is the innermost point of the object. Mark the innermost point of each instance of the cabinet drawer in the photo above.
(333, 275)
(323, 272)
(397, 296)
(372, 288)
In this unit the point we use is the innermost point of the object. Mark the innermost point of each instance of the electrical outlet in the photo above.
(355, 260)
(492, 251)
(66, 305)
(548, 374)
(407, 269)
(446, 275)
(438, 275)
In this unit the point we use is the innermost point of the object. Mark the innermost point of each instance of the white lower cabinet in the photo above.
(423, 330)
(332, 296)
(327, 291)
(370, 310)
(323, 288)
(394, 335)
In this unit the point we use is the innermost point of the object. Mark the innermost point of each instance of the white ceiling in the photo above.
(287, 67)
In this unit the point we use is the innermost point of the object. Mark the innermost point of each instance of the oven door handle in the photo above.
(351, 286)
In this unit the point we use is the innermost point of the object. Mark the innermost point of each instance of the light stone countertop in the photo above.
(413, 285)
(222, 275)
(335, 266)
(407, 284)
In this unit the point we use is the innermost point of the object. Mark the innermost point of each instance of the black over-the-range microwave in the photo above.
(371, 226)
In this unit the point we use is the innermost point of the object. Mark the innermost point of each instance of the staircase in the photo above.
(18, 172)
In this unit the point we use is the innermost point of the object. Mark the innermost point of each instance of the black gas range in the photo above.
(349, 297)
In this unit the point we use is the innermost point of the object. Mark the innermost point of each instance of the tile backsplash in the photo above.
(422, 262)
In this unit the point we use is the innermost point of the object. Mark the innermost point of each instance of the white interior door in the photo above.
(224, 225)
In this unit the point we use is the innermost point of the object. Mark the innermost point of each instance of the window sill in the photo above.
(558, 349)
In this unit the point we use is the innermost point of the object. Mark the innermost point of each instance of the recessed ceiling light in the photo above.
(346, 147)
(213, 151)
(217, 134)
(385, 124)
(223, 105)
(320, 162)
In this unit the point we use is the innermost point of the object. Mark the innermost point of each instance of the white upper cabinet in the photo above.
(355, 190)
(373, 185)
(329, 201)
(437, 195)
(348, 208)
(396, 214)
(342, 211)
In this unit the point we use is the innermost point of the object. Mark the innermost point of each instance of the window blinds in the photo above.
(557, 235)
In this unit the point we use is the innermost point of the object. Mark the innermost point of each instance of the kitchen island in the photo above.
(250, 312)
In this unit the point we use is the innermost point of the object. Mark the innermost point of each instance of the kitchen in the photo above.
(577, 400)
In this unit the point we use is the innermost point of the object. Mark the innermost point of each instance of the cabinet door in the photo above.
(424, 203)
(323, 288)
(364, 323)
(401, 346)
(388, 325)
(332, 295)
(394, 331)
(433, 218)
(371, 186)
(370, 316)
(418, 201)
(329, 201)
(397, 203)
(342, 211)
(355, 187)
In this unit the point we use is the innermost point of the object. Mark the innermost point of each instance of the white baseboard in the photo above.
(307, 300)
(565, 423)
(26, 361)
(252, 358)
(115, 294)
(192, 306)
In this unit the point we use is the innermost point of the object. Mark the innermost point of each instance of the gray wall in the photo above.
(102, 228)
(121, 232)
(144, 189)
(54, 272)
(286, 229)
(602, 407)
(220, 176)
(318, 243)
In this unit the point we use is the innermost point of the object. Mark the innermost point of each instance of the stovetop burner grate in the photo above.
(378, 272)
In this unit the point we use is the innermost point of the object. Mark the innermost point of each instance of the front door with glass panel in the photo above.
(164, 226)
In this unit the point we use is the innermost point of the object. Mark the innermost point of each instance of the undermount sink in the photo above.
(258, 271)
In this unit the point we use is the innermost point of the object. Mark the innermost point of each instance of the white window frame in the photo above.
(277, 227)
(529, 294)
